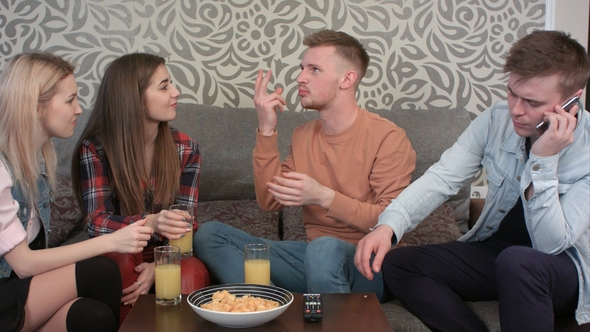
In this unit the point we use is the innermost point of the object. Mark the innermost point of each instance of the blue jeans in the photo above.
(324, 265)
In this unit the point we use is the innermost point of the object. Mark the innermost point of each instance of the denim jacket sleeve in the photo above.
(558, 213)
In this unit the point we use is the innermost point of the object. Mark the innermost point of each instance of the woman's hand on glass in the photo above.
(169, 224)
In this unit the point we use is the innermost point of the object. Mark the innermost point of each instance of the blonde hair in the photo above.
(27, 84)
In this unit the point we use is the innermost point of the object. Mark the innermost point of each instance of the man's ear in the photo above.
(348, 80)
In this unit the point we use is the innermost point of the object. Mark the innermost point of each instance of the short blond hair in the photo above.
(348, 47)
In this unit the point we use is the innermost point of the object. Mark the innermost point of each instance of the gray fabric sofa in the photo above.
(226, 138)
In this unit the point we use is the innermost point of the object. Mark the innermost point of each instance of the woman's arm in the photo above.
(26, 262)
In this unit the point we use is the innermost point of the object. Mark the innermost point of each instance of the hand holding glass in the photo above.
(257, 264)
(185, 243)
(167, 261)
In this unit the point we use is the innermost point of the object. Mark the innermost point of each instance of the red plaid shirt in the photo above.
(101, 205)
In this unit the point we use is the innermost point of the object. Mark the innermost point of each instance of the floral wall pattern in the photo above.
(424, 53)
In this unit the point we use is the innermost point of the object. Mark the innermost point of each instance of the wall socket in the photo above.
(479, 191)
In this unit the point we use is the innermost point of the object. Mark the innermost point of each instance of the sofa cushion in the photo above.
(293, 229)
(244, 215)
(438, 227)
(402, 320)
(65, 211)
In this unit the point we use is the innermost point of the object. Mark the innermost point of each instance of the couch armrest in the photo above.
(475, 207)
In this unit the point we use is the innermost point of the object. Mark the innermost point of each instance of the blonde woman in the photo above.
(61, 288)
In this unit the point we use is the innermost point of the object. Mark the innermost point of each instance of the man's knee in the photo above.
(327, 249)
(208, 228)
(515, 263)
(393, 259)
(328, 255)
(326, 243)
(207, 233)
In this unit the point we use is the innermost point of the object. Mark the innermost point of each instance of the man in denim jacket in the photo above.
(530, 248)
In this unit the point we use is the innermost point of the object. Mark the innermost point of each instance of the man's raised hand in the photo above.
(266, 104)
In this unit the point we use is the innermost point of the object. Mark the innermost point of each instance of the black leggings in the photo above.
(98, 283)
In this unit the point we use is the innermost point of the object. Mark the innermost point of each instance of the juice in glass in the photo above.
(185, 243)
(257, 263)
(257, 271)
(167, 281)
(168, 277)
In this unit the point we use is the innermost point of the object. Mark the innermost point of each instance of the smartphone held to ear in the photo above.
(542, 127)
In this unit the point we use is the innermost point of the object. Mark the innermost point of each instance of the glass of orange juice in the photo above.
(185, 243)
(167, 261)
(257, 263)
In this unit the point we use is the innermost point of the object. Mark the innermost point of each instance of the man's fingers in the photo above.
(276, 104)
(262, 83)
(366, 264)
(258, 80)
(362, 259)
(378, 260)
(283, 191)
(265, 80)
(292, 175)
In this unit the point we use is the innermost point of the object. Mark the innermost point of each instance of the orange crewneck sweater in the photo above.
(367, 166)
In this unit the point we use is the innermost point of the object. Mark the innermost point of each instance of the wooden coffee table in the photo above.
(342, 312)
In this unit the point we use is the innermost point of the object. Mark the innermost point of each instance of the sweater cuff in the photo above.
(266, 144)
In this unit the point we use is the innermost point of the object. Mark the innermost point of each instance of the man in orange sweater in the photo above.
(343, 170)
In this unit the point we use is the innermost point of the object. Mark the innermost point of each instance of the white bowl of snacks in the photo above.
(240, 305)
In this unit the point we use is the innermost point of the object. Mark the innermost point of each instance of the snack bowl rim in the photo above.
(241, 319)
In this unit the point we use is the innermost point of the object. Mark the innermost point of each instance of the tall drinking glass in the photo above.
(167, 261)
(185, 243)
(257, 264)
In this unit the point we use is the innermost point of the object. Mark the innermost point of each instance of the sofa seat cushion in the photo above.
(241, 214)
(402, 320)
(65, 212)
(438, 227)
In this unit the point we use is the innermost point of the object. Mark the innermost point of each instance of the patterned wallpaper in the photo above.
(424, 54)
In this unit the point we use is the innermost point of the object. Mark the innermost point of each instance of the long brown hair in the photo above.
(117, 122)
(27, 84)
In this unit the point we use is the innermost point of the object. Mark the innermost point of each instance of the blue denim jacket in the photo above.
(558, 214)
(24, 212)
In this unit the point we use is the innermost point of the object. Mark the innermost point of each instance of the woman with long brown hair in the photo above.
(130, 165)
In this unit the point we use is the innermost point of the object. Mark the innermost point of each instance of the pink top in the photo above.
(12, 231)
